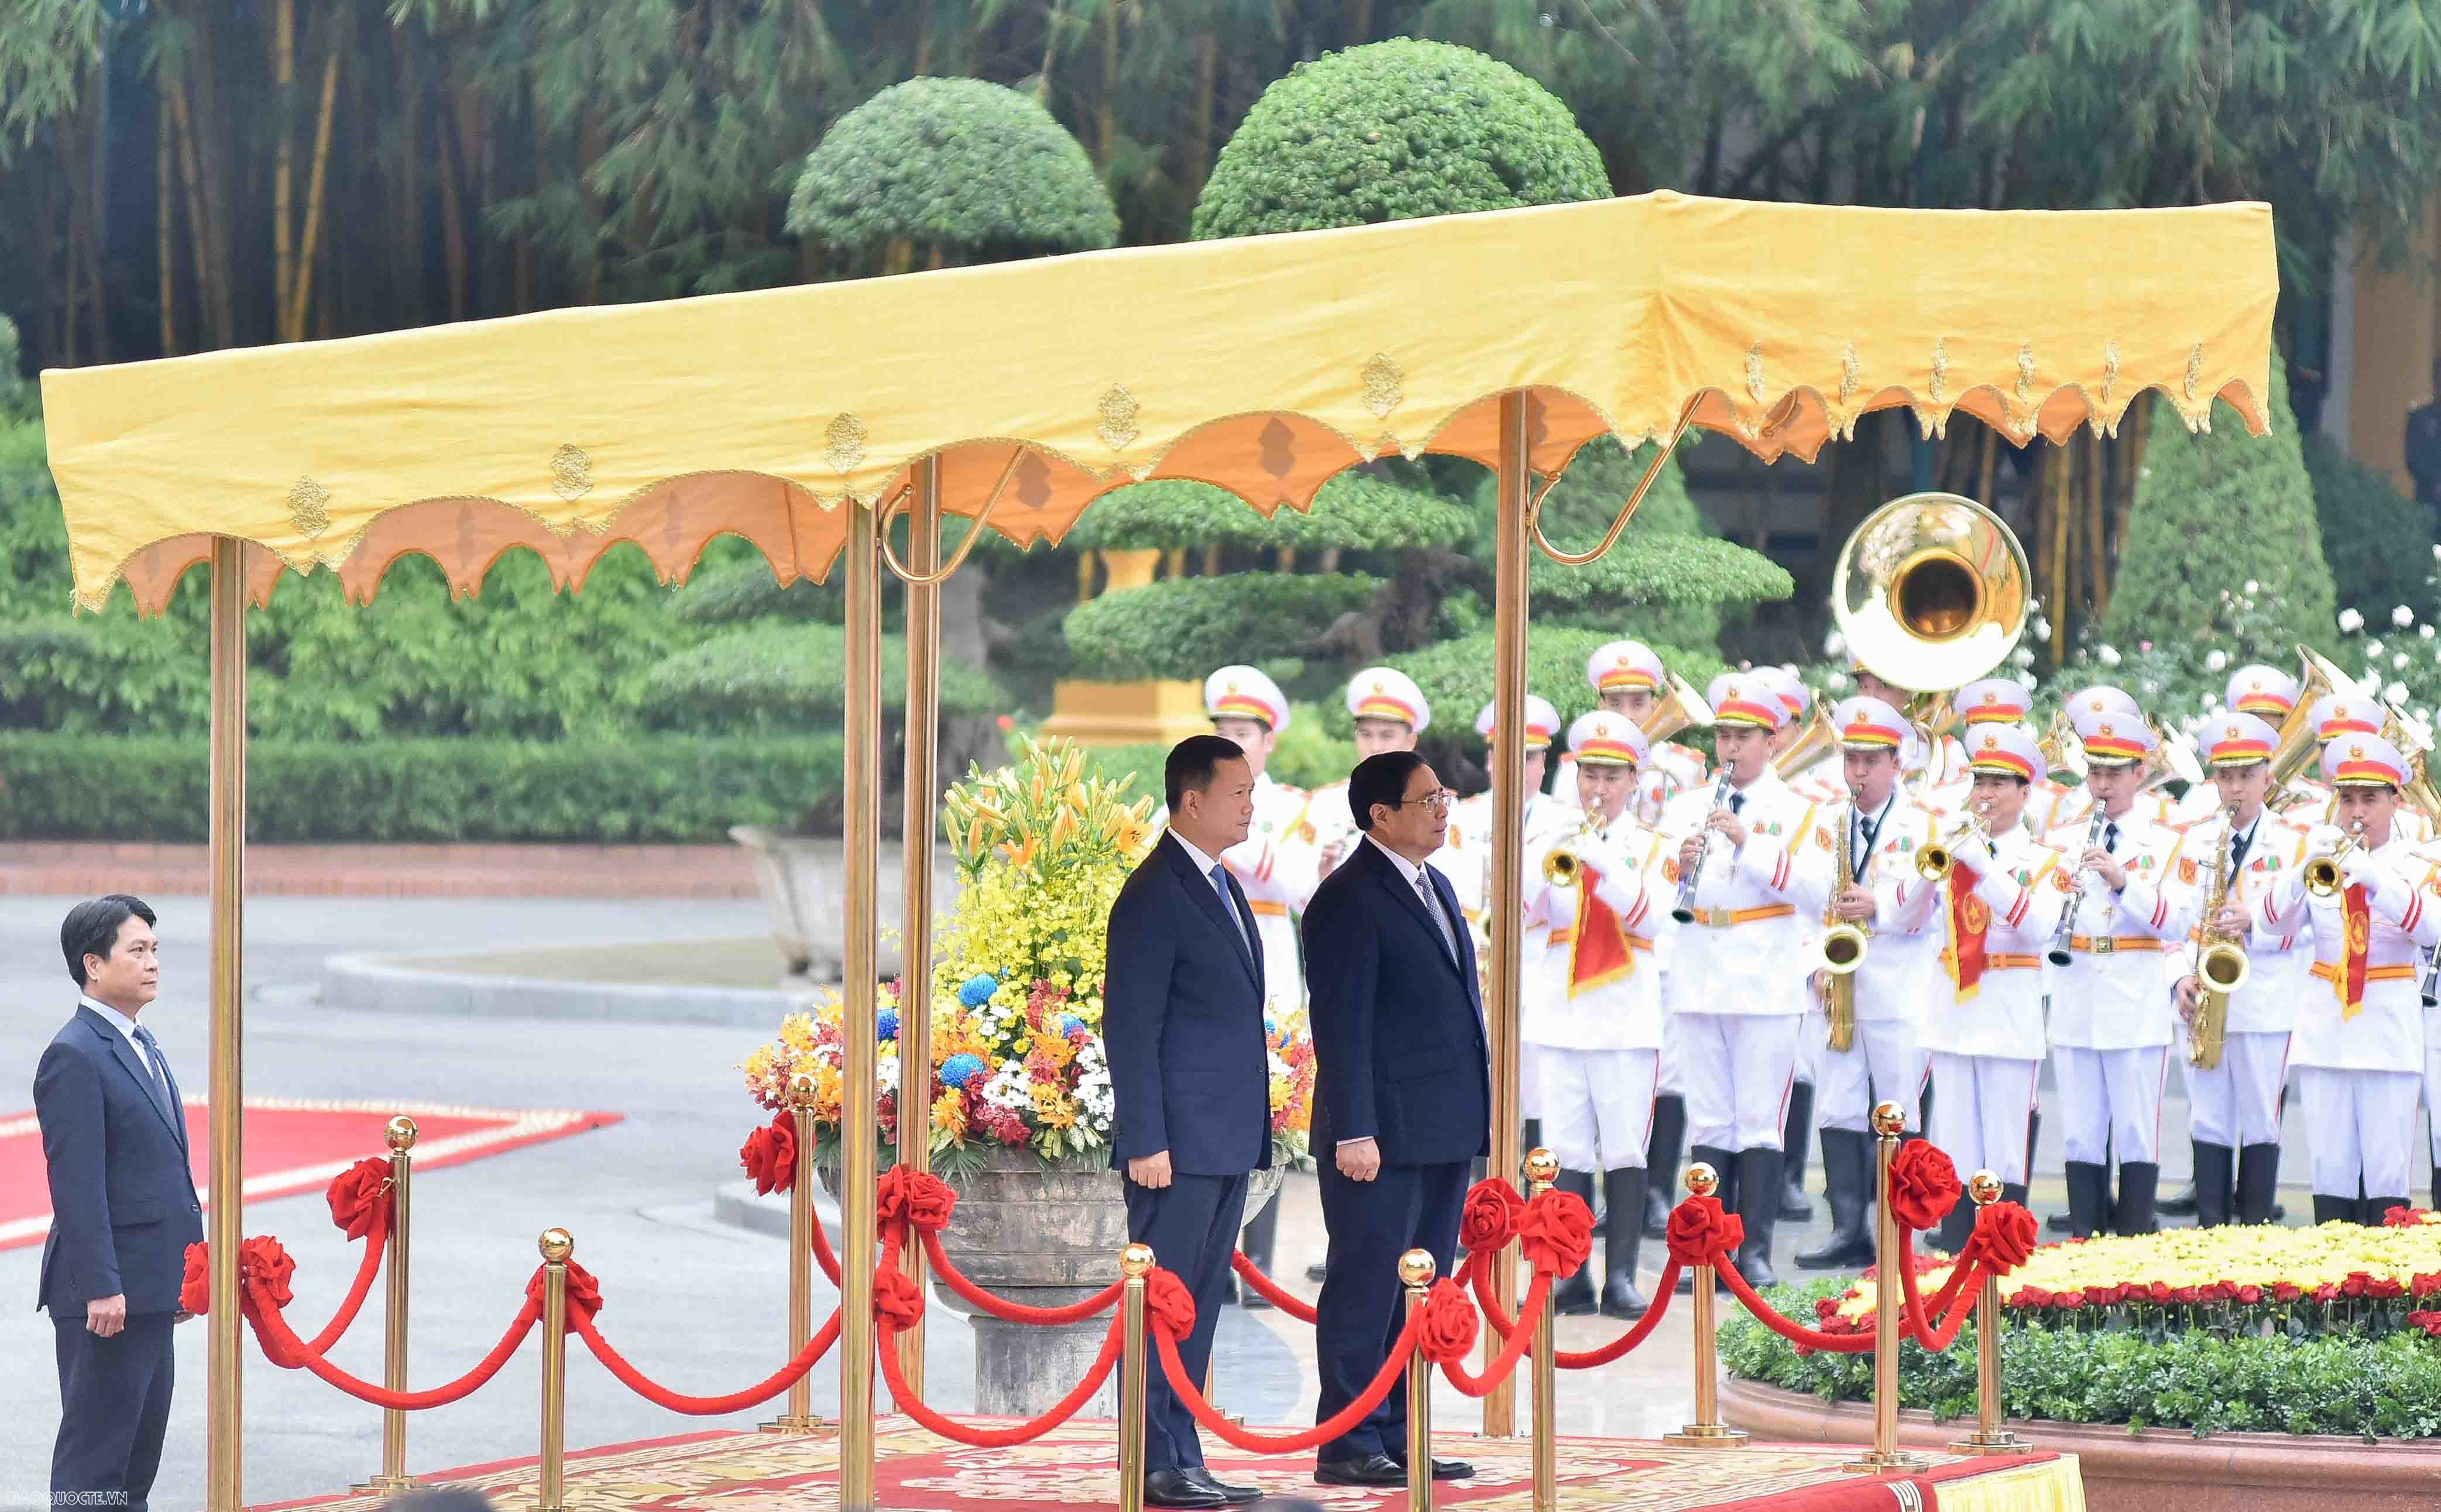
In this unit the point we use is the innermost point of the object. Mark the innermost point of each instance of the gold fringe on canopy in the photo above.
(1263, 365)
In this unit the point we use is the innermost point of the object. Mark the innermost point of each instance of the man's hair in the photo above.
(92, 928)
(1380, 779)
(1192, 764)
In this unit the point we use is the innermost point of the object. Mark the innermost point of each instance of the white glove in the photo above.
(2360, 868)
(2325, 838)
(1972, 853)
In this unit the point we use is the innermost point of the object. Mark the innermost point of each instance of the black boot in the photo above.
(2214, 1186)
(1725, 1165)
(2013, 1192)
(2184, 1202)
(1923, 1108)
(1759, 1188)
(1847, 1178)
(1574, 1296)
(1532, 1135)
(2088, 1199)
(2138, 1181)
(1257, 1243)
(1796, 1137)
(2436, 1182)
(2258, 1177)
(1622, 1233)
(2371, 1210)
(2328, 1209)
(1955, 1229)
(1661, 1162)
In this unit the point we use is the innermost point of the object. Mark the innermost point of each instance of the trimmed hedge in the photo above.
(651, 789)
(780, 674)
(1356, 511)
(2378, 541)
(1184, 627)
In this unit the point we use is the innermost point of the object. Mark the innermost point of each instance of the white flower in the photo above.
(2211, 700)
(2217, 662)
(2395, 692)
(2371, 647)
(2252, 587)
(2399, 661)
(1834, 681)
(1833, 644)
(2402, 617)
(2350, 622)
(2436, 552)
(2042, 628)
(2108, 655)
(2424, 630)
(2023, 656)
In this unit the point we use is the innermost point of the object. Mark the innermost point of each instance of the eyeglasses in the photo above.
(1438, 798)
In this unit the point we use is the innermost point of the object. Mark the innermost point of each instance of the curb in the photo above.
(394, 984)
(735, 1204)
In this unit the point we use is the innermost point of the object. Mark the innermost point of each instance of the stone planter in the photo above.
(800, 880)
(2146, 1470)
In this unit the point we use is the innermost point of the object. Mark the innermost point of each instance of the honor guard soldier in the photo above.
(1883, 828)
(1628, 678)
(2111, 1020)
(1600, 891)
(1752, 870)
(2370, 903)
(1998, 701)
(2233, 1106)
(2267, 693)
(1274, 863)
(1390, 711)
(2333, 716)
(1993, 913)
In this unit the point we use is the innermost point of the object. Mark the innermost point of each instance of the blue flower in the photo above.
(1071, 1024)
(977, 990)
(961, 1069)
(886, 1021)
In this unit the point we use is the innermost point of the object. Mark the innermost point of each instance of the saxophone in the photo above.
(1841, 949)
(2221, 967)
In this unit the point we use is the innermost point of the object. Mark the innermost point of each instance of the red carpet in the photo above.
(1076, 1466)
(296, 1144)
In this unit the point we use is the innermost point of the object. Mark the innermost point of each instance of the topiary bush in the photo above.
(1184, 627)
(2378, 541)
(780, 675)
(953, 163)
(1356, 511)
(1393, 131)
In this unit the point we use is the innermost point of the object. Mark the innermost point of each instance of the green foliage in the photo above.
(1394, 131)
(953, 163)
(1356, 509)
(2368, 1388)
(640, 788)
(734, 592)
(777, 675)
(1310, 754)
(46, 48)
(19, 399)
(1184, 627)
(2378, 541)
(2213, 510)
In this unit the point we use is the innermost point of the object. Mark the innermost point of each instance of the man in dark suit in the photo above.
(123, 1211)
(1190, 1075)
(1402, 1103)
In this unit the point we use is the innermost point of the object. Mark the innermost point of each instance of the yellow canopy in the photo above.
(1263, 365)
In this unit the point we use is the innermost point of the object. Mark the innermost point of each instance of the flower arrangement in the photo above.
(1043, 847)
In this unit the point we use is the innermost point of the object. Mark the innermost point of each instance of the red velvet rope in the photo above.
(1770, 1317)
(1953, 1302)
(282, 1346)
(754, 1396)
(194, 1289)
(824, 1256)
(1537, 1297)
(1341, 1423)
(1113, 1344)
(1003, 1309)
(1270, 1291)
(1618, 1349)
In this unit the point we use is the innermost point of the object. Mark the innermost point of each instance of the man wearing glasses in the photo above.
(1403, 1104)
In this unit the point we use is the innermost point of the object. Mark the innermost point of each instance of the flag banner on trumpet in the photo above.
(1601, 952)
(2348, 983)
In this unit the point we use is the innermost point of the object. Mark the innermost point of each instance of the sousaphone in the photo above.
(1930, 592)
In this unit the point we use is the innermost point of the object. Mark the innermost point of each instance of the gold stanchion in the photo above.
(556, 1247)
(1707, 1431)
(1991, 1435)
(1135, 1263)
(1542, 1169)
(1416, 1269)
(1506, 903)
(393, 1476)
(859, 1150)
(1889, 1302)
(799, 1418)
(923, 725)
(224, 1164)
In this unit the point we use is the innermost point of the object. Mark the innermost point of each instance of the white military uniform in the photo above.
(2110, 1023)
(1275, 867)
(2237, 1103)
(1896, 980)
(1465, 859)
(1599, 1031)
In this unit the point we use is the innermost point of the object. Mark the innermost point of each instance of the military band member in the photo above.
(2110, 1026)
(1389, 713)
(2333, 716)
(1884, 828)
(1993, 915)
(1628, 678)
(1274, 864)
(2264, 693)
(2076, 805)
(1737, 990)
(2357, 1044)
(1815, 782)
(2233, 1108)
(1924, 764)
(1597, 1023)
(1996, 701)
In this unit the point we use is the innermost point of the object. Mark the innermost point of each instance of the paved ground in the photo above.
(85, 867)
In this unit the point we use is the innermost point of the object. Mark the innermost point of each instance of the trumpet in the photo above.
(2221, 967)
(2322, 875)
(2058, 954)
(1934, 859)
(1684, 911)
(1562, 867)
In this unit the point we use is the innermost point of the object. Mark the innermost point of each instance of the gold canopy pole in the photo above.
(858, 1152)
(226, 1141)
(915, 922)
(1505, 927)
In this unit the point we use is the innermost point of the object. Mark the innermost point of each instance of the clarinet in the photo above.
(2058, 954)
(1685, 911)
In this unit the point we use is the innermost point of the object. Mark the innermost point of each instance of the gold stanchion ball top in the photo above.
(1415, 1268)
(801, 1089)
(1701, 1180)
(1985, 1188)
(1542, 1166)
(401, 1133)
(1890, 1120)
(1136, 1261)
(556, 1245)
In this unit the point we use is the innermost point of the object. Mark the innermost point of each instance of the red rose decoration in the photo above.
(2004, 1237)
(2187, 1296)
(2159, 1291)
(1558, 1234)
(919, 1198)
(1493, 1215)
(2426, 1283)
(1448, 1328)
(2249, 1295)
(2385, 1288)
(583, 1292)
(2284, 1292)
(2326, 1292)
(1924, 1185)
(263, 1268)
(1169, 1307)
(1699, 1229)
(769, 1154)
(2069, 1301)
(2356, 1285)
(897, 1300)
(195, 1287)
(1825, 1309)
(2402, 1217)
(359, 1197)
(2031, 1297)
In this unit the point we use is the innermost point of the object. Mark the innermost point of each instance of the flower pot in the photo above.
(800, 880)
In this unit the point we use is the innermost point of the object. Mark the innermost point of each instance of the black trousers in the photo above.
(114, 1408)
(1363, 1308)
(1192, 1225)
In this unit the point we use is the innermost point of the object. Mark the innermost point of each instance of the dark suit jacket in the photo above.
(124, 1205)
(1397, 1022)
(1182, 1022)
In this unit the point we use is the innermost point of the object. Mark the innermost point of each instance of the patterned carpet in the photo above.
(1076, 1467)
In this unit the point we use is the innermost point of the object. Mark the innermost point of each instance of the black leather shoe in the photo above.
(1236, 1495)
(1442, 1469)
(1255, 1301)
(1318, 1273)
(1365, 1469)
(1620, 1298)
(1178, 1488)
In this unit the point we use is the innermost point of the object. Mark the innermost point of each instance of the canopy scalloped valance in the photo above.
(1264, 365)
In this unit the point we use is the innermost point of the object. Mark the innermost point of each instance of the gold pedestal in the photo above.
(1155, 712)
